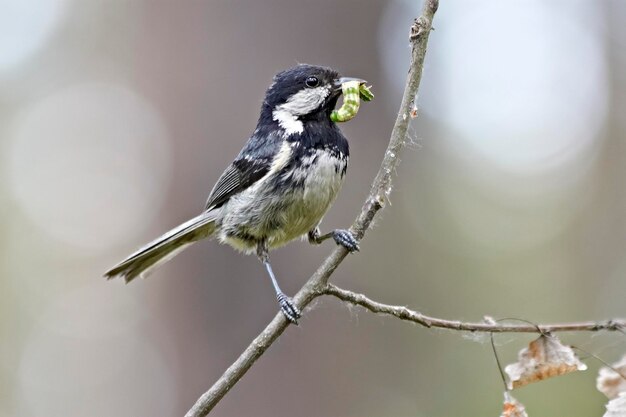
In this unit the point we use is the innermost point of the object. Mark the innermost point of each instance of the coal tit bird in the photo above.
(279, 186)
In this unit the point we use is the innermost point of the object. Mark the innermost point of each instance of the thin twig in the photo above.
(406, 314)
(498, 363)
(602, 361)
(381, 187)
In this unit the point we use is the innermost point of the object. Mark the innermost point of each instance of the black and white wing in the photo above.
(238, 176)
(252, 163)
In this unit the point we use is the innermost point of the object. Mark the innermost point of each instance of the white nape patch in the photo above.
(303, 102)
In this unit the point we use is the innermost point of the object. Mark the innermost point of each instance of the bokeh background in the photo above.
(116, 118)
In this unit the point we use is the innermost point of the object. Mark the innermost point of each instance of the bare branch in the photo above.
(406, 314)
(381, 187)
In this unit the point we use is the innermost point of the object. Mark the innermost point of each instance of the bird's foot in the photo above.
(288, 308)
(346, 239)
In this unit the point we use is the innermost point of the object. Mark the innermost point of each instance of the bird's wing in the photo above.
(253, 162)
(239, 175)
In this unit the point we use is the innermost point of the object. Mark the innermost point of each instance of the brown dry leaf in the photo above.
(616, 407)
(544, 357)
(512, 408)
(611, 383)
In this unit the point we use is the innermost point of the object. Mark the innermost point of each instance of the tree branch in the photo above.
(403, 313)
(420, 31)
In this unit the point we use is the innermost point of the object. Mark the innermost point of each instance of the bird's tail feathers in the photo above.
(164, 248)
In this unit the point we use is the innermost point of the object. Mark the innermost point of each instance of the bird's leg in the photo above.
(342, 237)
(286, 304)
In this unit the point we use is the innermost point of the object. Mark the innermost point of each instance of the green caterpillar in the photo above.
(353, 92)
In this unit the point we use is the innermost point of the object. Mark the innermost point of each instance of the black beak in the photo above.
(337, 83)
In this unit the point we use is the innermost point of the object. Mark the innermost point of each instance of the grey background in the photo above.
(509, 202)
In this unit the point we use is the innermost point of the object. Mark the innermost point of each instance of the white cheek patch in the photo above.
(306, 101)
(288, 121)
(303, 102)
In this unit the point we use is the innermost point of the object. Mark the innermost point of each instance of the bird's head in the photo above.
(304, 92)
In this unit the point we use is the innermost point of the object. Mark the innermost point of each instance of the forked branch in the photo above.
(420, 32)
(318, 285)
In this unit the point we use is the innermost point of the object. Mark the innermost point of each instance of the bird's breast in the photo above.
(309, 186)
(289, 202)
(320, 174)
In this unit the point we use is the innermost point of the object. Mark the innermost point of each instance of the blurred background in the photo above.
(117, 117)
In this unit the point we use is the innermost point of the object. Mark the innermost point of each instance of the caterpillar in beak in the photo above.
(353, 93)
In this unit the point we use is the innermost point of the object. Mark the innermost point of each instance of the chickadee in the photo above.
(279, 186)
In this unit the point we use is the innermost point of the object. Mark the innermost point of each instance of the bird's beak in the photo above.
(341, 81)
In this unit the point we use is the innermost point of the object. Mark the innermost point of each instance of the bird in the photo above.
(279, 186)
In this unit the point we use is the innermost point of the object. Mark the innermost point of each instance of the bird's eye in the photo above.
(312, 82)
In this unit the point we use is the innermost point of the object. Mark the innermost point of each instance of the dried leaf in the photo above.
(616, 407)
(611, 383)
(544, 357)
(512, 408)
